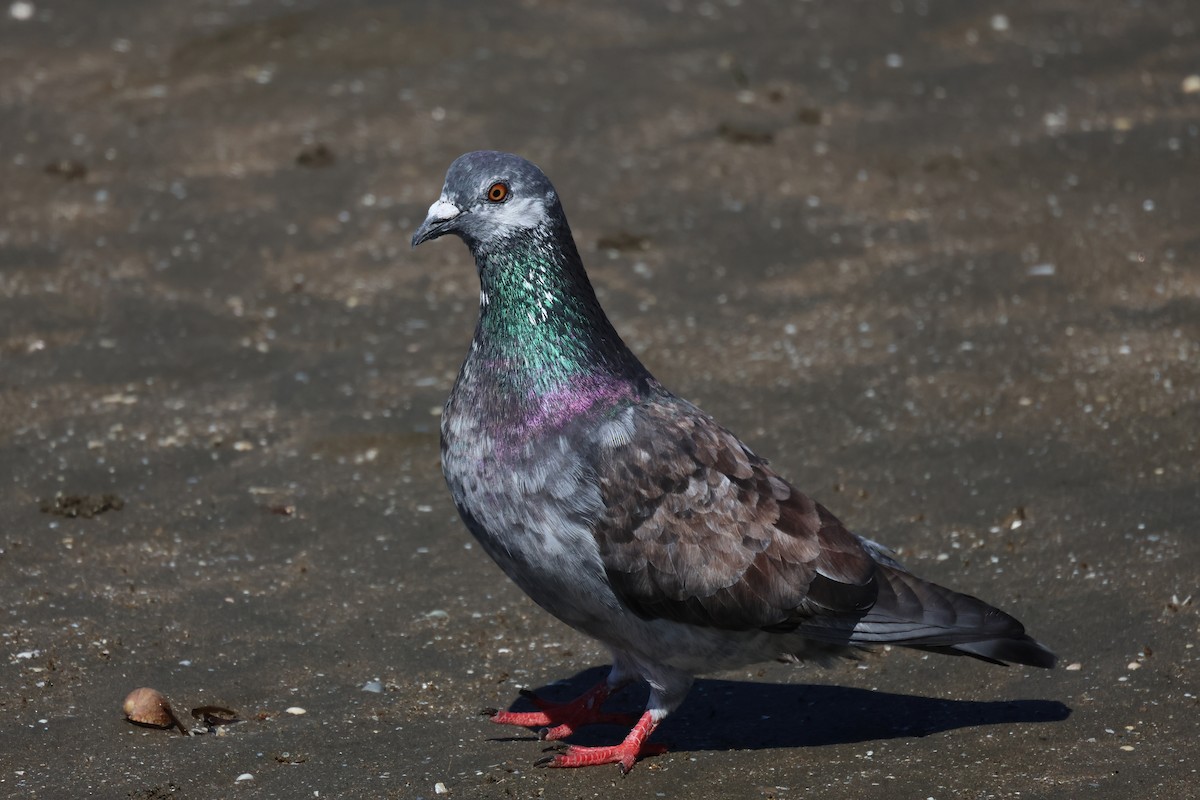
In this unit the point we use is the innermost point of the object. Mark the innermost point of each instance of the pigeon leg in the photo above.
(560, 720)
(625, 754)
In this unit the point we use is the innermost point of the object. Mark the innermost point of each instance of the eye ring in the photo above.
(497, 193)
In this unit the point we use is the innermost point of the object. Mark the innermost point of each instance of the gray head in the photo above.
(490, 197)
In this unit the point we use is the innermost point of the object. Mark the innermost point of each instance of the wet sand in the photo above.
(938, 261)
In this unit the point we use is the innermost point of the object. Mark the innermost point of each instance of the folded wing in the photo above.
(699, 530)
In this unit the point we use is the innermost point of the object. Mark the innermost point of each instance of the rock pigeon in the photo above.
(629, 513)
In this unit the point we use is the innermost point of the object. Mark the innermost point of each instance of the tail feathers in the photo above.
(1019, 650)
(914, 613)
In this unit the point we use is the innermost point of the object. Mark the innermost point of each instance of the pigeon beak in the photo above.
(437, 222)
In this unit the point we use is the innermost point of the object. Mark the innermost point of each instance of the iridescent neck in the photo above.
(539, 318)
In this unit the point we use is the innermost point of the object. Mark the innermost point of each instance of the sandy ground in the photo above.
(939, 261)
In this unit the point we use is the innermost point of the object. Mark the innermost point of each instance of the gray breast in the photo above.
(532, 507)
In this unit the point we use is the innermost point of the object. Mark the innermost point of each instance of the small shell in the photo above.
(147, 706)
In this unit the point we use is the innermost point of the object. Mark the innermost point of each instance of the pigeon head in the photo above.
(543, 348)
(490, 198)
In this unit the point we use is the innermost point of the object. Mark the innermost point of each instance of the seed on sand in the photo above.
(146, 706)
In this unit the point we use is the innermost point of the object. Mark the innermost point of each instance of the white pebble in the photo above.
(295, 711)
(1073, 667)
(440, 788)
(1055, 120)
(245, 776)
(21, 11)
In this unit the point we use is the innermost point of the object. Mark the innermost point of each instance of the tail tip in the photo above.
(1019, 650)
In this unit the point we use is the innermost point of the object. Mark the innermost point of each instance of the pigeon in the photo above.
(632, 515)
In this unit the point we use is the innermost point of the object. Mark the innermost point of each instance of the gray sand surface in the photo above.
(938, 261)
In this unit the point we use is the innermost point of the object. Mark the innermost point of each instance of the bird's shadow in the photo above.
(745, 715)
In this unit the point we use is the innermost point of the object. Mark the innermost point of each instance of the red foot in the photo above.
(626, 754)
(560, 720)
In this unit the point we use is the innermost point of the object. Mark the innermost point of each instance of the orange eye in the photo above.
(497, 193)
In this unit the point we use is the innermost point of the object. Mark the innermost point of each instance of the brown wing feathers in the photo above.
(713, 537)
(700, 530)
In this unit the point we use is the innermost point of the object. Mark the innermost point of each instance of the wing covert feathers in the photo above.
(697, 529)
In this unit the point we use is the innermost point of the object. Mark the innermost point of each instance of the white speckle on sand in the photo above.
(1055, 121)
(245, 776)
(21, 11)
(295, 711)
